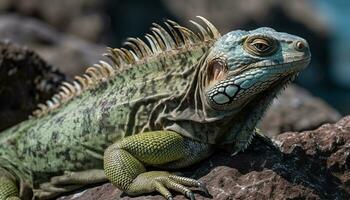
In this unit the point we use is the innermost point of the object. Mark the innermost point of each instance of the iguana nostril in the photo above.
(300, 46)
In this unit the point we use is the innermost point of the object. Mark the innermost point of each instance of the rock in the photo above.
(65, 15)
(304, 165)
(25, 80)
(66, 52)
(296, 110)
(243, 12)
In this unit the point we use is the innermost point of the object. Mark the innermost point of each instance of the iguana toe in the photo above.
(163, 182)
(176, 186)
(159, 187)
(80, 178)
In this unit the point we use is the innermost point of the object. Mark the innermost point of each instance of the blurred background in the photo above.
(72, 34)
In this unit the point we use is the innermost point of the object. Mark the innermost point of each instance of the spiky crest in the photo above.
(160, 41)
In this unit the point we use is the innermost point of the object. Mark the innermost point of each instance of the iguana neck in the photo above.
(190, 112)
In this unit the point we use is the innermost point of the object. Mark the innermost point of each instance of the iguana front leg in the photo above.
(8, 186)
(125, 161)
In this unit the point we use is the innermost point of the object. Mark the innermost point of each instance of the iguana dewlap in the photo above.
(168, 103)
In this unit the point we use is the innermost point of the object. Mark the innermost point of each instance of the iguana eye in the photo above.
(260, 46)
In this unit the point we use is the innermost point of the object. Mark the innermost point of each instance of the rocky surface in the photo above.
(295, 109)
(66, 52)
(83, 18)
(305, 165)
(25, 80)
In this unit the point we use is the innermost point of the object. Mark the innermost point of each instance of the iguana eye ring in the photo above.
(260, 46)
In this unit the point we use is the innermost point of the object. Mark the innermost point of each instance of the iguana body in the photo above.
(186, 94)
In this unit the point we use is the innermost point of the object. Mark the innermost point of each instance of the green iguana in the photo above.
(186, 93)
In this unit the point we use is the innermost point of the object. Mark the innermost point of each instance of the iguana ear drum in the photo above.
(221, 90)
(217, 70)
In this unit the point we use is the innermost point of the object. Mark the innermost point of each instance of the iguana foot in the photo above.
(68, 182)
(162, 182)
(125, 161)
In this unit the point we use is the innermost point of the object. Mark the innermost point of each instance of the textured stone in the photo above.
(305, 165)
(297, 110)
(25, 80)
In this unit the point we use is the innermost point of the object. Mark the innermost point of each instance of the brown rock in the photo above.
(306, 165)
(25, 80)
(68, 53)
(329, 144)
(296, 110)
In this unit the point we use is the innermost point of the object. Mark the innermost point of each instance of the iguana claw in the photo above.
(163, 182)
(203, 187)
(190, 195)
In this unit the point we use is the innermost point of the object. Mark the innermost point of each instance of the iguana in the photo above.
(167, 104)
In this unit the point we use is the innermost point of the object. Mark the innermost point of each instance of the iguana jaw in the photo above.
(246, 118)
(234, 89)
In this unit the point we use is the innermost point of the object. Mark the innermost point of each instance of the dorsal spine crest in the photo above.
(161, 41)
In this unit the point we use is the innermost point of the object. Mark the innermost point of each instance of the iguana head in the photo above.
(243, 64)
(240, 76)
(233, 84)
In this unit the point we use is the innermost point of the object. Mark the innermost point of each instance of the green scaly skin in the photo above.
(8, 187)
(167, 105)
(170, 151)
